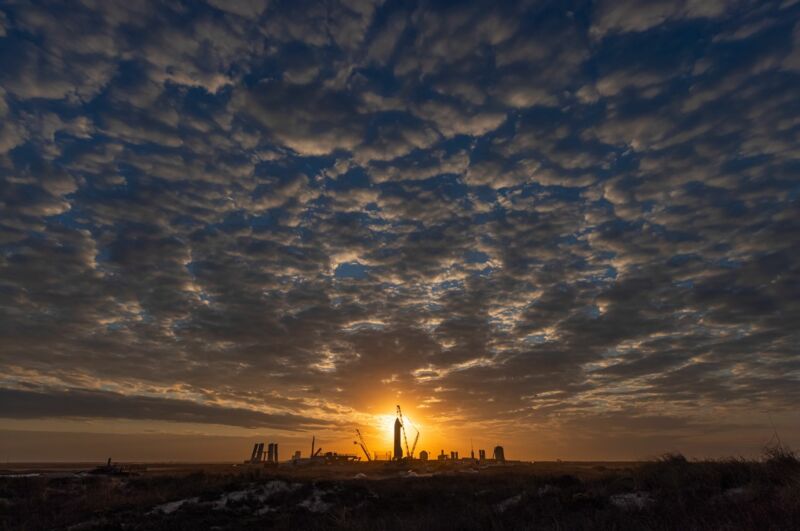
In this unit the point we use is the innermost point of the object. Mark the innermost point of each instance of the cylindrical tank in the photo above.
(398, 448)
(423, 455)
(499, 454)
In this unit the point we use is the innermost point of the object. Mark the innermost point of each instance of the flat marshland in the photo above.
(668, 493)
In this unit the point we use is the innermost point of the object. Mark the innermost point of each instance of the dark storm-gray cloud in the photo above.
(20, 404)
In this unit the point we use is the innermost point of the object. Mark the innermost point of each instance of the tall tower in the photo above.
(398, 448)
(499, 454)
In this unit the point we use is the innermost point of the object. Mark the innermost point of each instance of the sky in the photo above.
(570, 228)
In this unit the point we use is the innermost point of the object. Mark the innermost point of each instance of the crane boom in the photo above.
(363, 444)
(363, 450)
(403, 425)
(414, 446)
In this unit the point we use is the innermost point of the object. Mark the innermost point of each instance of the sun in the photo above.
(386, 423)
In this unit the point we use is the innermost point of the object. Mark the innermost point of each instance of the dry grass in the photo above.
(668, 493)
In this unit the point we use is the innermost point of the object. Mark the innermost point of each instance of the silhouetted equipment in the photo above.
(111, 469)
(403, 427)
(313, 458)
(272, 453)
(333, 457)
(398, 448)
(260, 453)
(499, 454)
(363, 444)
(314, 453)
(414, 446)
(269, 456)
(259, 456)
(362, 449)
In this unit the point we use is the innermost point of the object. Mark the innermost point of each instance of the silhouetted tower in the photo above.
(423, 455)
(398, 448)
(499, 454)
(260, 453)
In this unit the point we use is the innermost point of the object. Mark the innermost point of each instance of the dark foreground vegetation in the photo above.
(669, 493)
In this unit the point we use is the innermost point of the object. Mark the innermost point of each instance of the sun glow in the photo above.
(387, 430)
(386, 423)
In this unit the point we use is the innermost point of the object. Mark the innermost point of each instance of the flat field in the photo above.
(670, 493)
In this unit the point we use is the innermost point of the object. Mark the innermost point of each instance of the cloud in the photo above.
(326, 121)
(78, 403)
(452, 119)
(628, 16)
(526, 215)
(248, 8)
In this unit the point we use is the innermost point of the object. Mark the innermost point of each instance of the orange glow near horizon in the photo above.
(386, 426)
(386, 423)
(379, 434)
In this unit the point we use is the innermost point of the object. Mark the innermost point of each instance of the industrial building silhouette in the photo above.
(398, 454)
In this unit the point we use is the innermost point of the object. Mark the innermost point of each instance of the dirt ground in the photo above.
(671, 493)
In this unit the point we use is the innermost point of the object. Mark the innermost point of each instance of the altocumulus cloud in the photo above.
(534, 213)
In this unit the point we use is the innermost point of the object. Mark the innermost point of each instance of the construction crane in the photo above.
(363, 444)
(313, 445)
(414, 446)
(403, 425)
